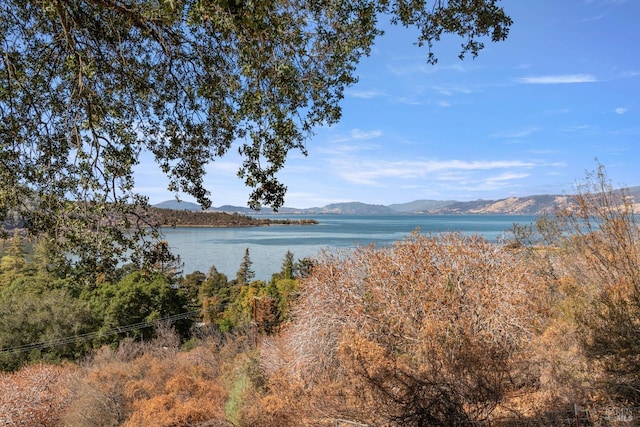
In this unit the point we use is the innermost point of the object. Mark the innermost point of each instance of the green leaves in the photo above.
(137, 299)
(34, 313)
(86, 86)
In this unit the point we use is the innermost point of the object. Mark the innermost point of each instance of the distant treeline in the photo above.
(185, 218)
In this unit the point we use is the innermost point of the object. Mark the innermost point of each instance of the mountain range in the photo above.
(527, 205)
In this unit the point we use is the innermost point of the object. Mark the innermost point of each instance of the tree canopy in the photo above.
(86, 86)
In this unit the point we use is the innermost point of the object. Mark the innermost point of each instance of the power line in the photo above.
(91, 335)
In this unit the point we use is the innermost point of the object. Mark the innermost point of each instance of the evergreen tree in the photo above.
(287, 266)
(14, 260)
(245, 274)
(214, 295)
(190, 287)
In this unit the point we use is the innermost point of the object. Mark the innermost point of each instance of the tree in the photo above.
(214, 295)
(39, 319)
(149, 384)
(136, 302)
(161, 260)
(13, 261)
(287, 266)
(89, 85)
(245, 273)
(283, 288)
(190, 287)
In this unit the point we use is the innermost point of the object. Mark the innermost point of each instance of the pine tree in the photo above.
(245, 274)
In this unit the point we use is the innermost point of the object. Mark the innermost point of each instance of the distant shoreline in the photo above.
(261, 223)
(205, 219)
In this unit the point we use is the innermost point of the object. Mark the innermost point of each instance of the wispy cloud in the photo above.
(557, 79)
(581, 129)
(452, 90)
(366, 94)
(409, 101)
(593, 18)
(363, 134)
(419, 66)
(508, 176)
(407, 70)
(515, 133)
(371, 171)
(357, 135)
(606, 2)
(629, 74)
(627, 131)
(621, 110)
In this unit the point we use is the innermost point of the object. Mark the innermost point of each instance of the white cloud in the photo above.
(366, 94)
(516, 134)
(629, 74)
(580, 128)
(409, 101)
(593, 18)
(507, 176)
(558, 79)
(627, 131)
(621, 110)
(452, 90)
(407, 70)
(448, 170)
(357, 135)
(361, 134)
(607, 2)
(419, 66)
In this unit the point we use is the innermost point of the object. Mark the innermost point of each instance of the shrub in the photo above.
(36, 395)
(430, 332)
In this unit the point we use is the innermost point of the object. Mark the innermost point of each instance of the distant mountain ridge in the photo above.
(178, 205)
(527, 205)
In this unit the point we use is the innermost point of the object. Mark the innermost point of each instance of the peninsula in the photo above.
(186, 218)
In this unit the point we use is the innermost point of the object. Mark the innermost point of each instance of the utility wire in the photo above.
(91, 335)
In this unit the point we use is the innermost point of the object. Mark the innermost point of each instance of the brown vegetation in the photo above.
(431, 332)
(154, 385)
(435, 330)
(37, 395)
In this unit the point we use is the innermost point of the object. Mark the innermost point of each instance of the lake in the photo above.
(224, 248)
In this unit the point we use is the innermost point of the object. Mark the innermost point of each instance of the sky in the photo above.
(530, 115)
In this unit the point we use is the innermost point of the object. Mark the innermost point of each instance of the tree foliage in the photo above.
(34, 314)
(37, 307)
(87, 86)
(243, 301)
(137, 300)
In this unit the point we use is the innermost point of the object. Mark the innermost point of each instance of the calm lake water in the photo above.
(201, 248)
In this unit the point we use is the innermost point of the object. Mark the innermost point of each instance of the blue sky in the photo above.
(527, 116)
